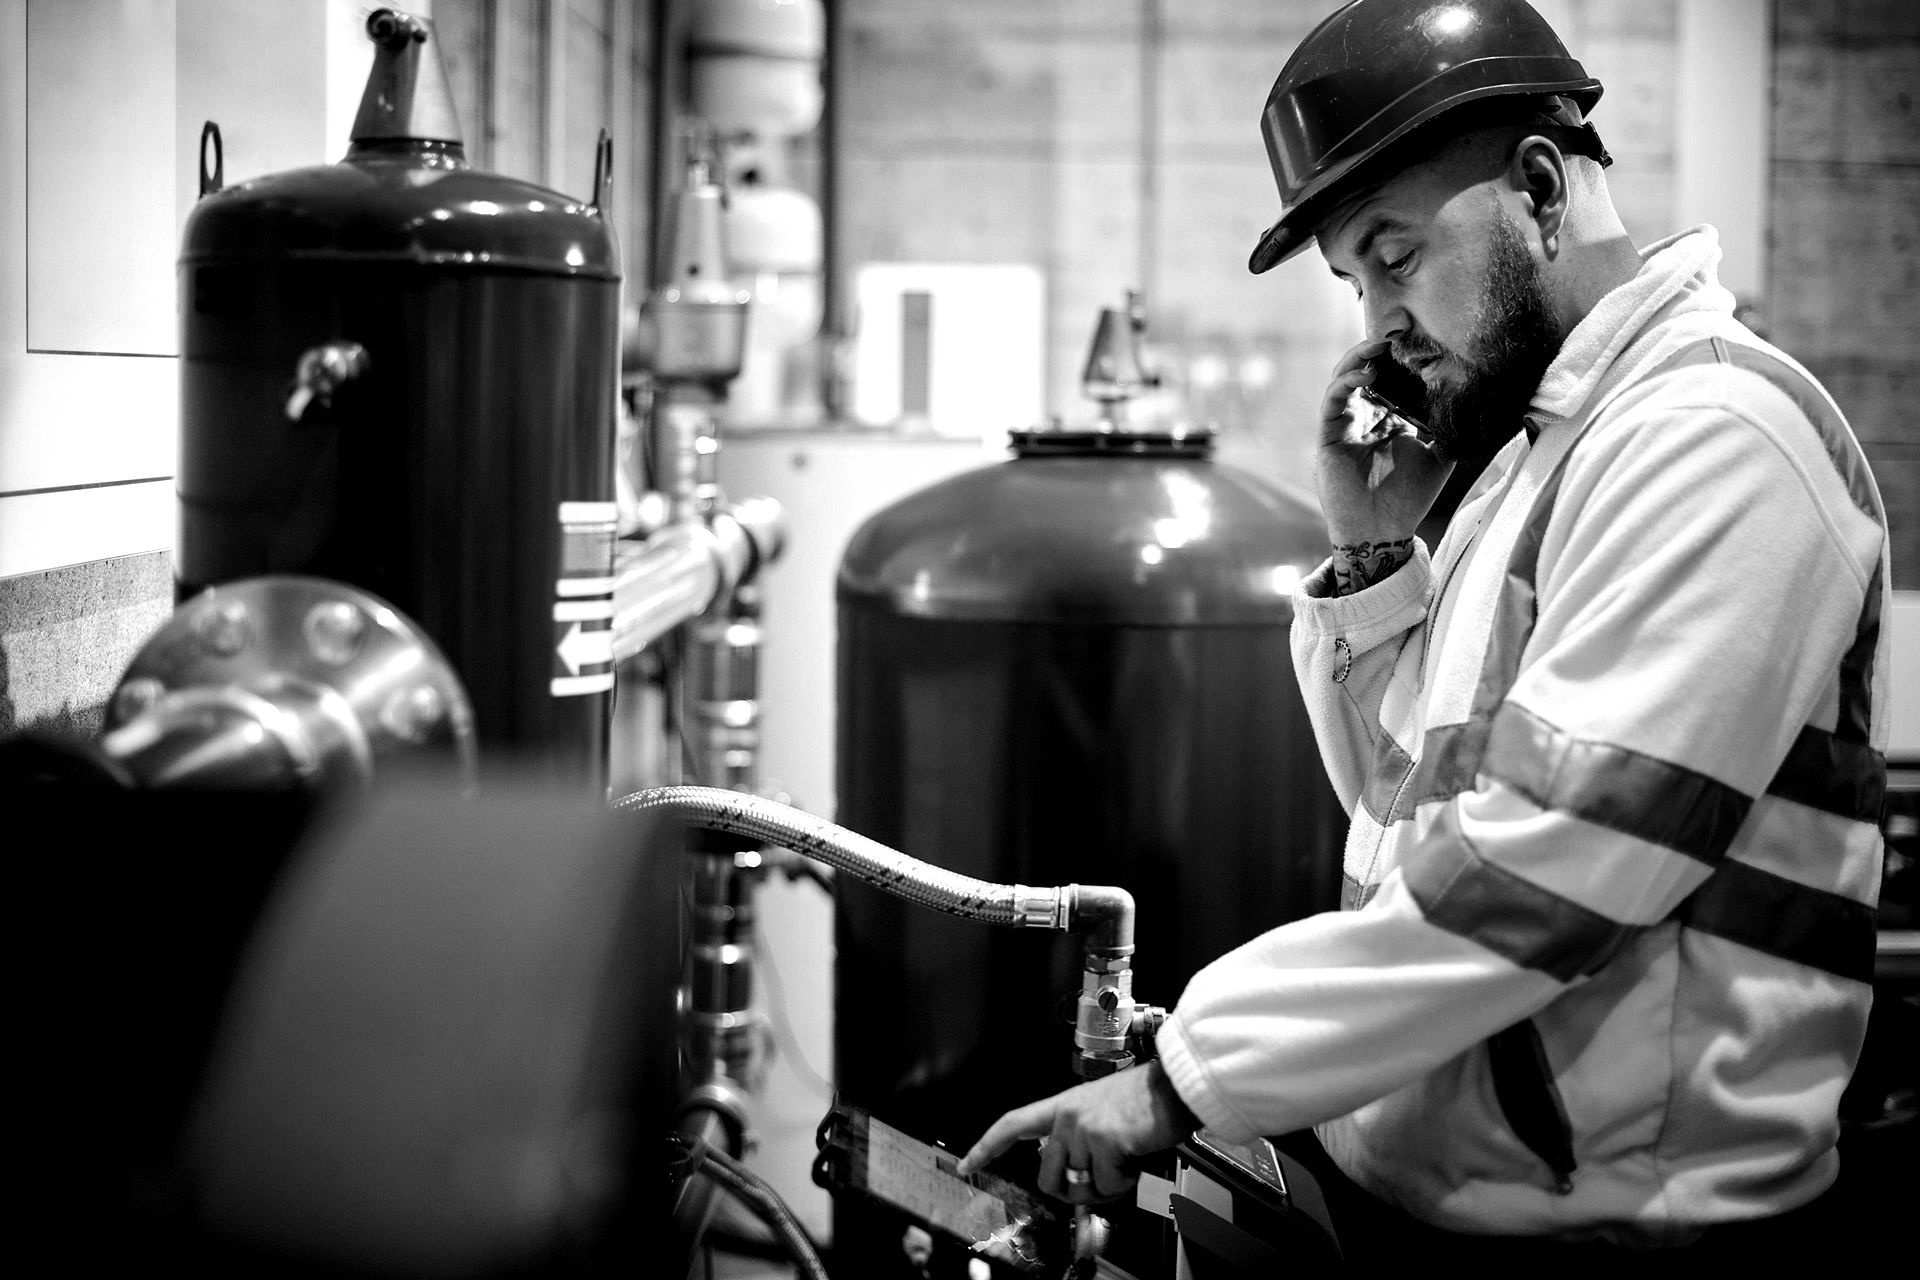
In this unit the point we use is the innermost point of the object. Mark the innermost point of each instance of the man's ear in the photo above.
(1539, 172)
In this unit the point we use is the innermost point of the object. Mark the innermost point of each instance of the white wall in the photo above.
(101, 108)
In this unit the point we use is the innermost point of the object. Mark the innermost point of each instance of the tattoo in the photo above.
(1359, 565)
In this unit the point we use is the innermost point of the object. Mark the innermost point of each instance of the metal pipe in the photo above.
(724, 693)
(836, 330)
(682, 570)
(671, 577)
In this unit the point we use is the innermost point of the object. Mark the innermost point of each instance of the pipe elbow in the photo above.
(1105, 914)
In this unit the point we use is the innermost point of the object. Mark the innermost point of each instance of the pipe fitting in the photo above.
(284, 682)
(1105, 914)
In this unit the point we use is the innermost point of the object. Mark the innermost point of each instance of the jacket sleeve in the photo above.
(1345, 649)
(1697, 585)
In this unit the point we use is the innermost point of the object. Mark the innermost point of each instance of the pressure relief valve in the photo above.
(693, 328)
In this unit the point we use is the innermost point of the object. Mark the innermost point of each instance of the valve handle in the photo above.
(319, 373)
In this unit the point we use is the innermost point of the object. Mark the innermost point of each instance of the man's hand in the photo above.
(1101, 1126)
(1372, 503)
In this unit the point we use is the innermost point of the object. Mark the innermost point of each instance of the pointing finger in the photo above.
(1030, 1121)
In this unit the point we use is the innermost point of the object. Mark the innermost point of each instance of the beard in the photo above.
(1515, 337)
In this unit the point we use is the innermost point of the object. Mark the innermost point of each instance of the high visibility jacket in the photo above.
(1613, 756)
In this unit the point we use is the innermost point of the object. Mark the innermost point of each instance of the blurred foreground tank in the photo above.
(1072, 666)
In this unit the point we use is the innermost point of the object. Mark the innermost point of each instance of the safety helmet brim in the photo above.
(1376, 71)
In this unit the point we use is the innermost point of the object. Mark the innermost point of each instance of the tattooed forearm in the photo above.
(1358, 565)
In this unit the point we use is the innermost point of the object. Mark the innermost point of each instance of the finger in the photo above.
(1112, 1176)
(1051, 1176)
(1030, 1121)
(1361, 354)
(1335, 416)
(1076, 1164)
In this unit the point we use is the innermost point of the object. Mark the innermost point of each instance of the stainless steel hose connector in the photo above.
(906, 877)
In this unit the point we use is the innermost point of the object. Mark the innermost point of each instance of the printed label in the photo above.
(583, 600)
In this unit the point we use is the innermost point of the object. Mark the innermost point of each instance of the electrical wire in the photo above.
(755, 1193)
(783, 1026)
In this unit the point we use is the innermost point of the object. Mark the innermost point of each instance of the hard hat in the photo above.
(1377, 69)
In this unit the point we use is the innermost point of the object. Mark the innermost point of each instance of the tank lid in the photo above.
(1130, 539)
(403, 207)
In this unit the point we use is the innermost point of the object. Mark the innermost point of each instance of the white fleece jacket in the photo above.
(1610, 755)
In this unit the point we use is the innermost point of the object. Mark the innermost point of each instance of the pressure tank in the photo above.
(1068, 667)
(400, 372)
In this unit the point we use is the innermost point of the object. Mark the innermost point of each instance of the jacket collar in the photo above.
(1679, 271)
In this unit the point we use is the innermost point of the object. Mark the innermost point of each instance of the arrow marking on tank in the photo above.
(582, 647)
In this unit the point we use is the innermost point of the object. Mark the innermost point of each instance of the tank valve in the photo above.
(395, 30)
(320, 372)
(1116, 370)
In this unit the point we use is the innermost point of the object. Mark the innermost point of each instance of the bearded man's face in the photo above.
(1478, 396)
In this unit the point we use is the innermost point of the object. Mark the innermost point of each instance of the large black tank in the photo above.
(1072, 666)
(400, 372)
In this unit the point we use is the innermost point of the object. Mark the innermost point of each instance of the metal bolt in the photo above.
(335, 630)
(1108, 998)
(136, 696)
(412, 713)
(225, 628)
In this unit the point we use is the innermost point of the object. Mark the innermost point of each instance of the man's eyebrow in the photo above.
(1376, 224)
(1382, 222)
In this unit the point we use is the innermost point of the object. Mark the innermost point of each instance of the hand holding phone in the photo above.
(1399, 390)
(1376, 482)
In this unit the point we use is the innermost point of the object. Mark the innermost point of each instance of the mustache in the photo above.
(1413, 348)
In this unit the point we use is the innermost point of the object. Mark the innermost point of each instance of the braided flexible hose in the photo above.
(907, 877)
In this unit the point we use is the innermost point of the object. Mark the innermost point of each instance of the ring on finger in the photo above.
(1078, 1177)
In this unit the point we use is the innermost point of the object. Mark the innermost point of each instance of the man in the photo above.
(1612, 751)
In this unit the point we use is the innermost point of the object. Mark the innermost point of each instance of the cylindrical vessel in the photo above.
(1070, 667)
(401, 373)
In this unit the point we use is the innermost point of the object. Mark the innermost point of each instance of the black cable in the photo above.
(754, 1192)
(805, 868)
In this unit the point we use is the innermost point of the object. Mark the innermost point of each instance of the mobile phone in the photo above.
(986, 1212)
(1398, 390)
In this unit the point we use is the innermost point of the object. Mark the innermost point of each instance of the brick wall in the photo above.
(1844, 248)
